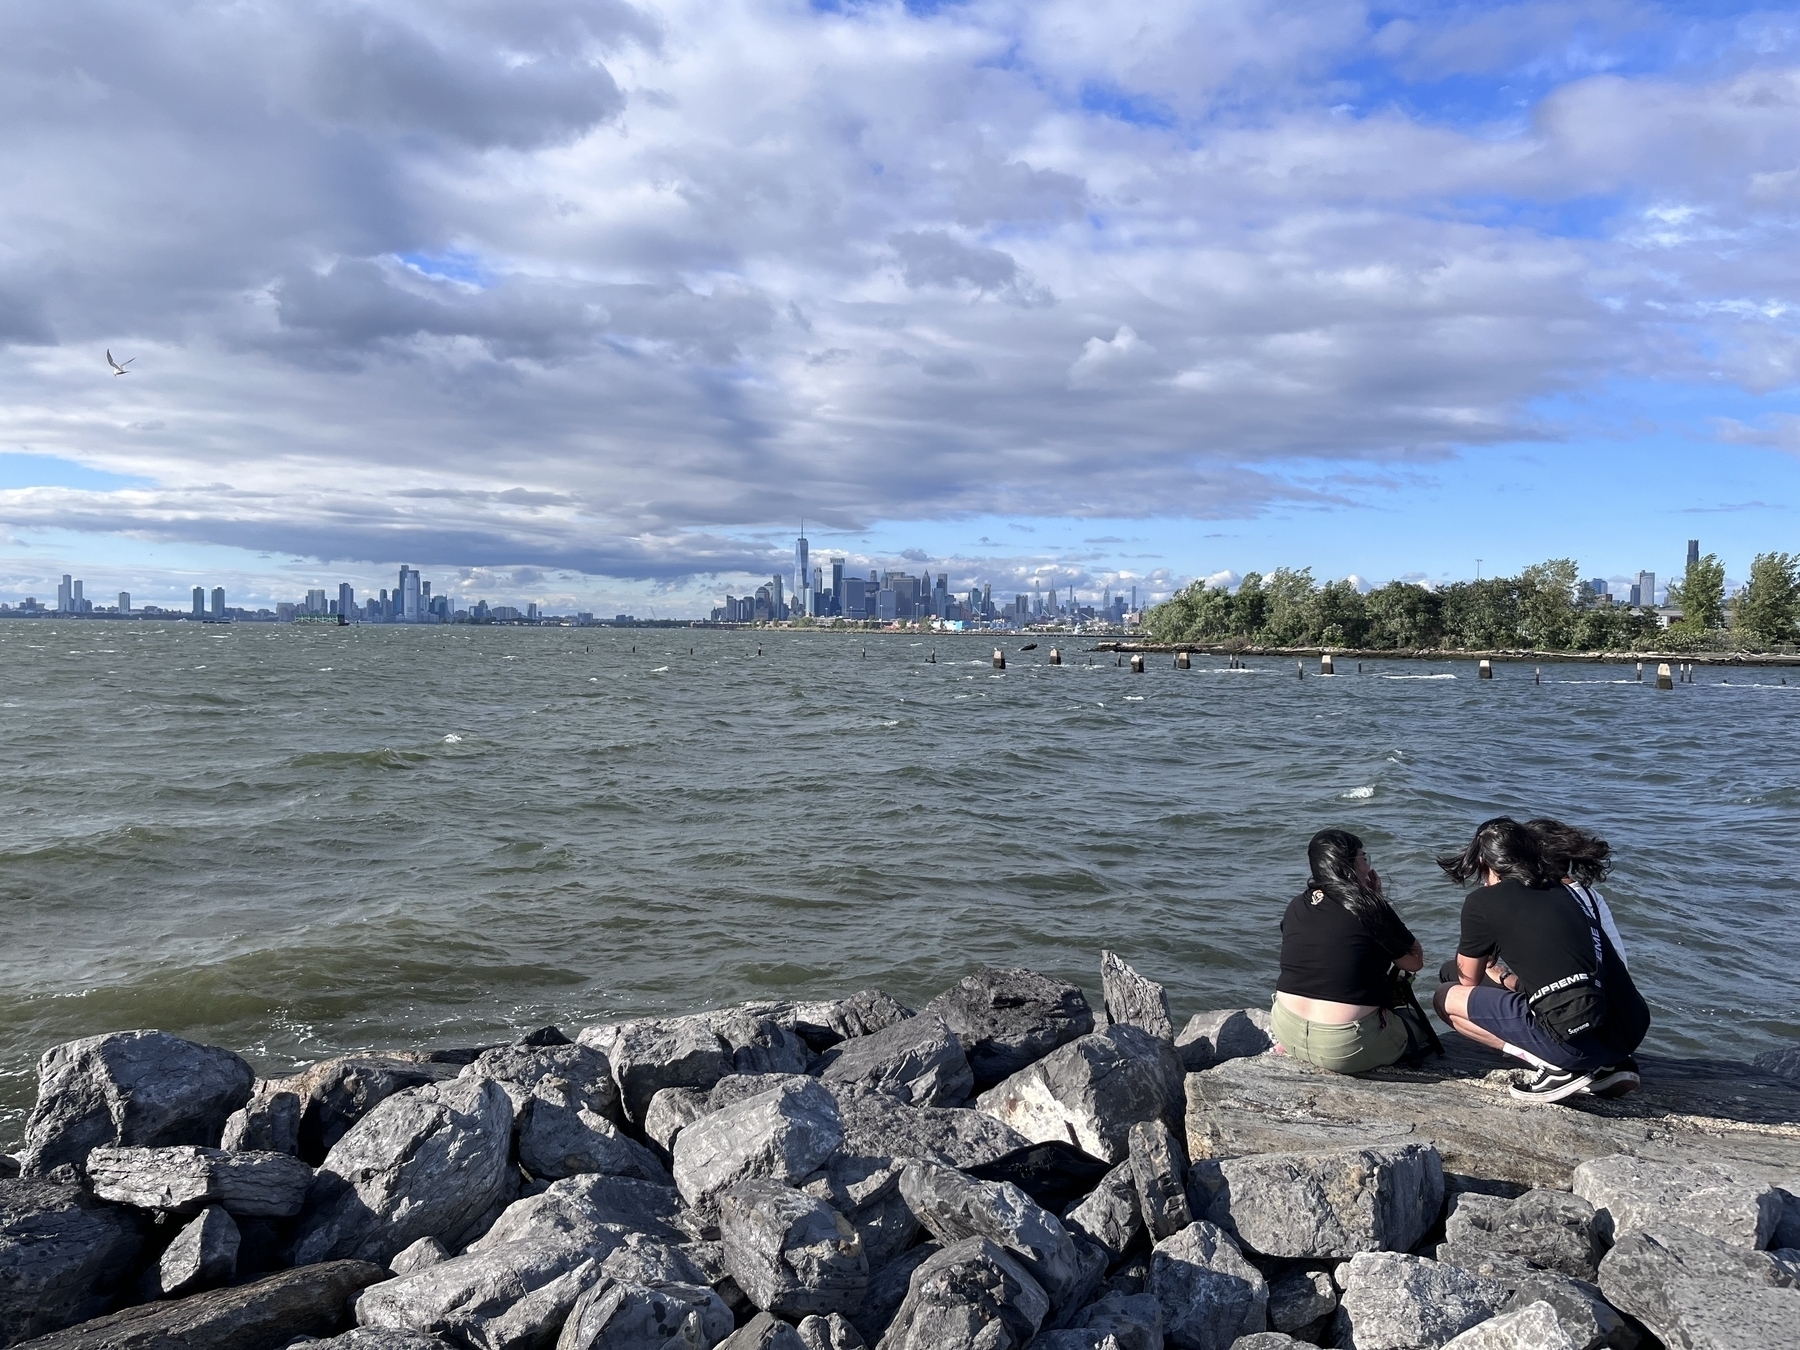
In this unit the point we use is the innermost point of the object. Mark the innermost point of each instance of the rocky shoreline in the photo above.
(1507, 654)
(1007, 1167)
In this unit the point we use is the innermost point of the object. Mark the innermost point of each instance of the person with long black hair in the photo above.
(1540, 971)
(1340, 940)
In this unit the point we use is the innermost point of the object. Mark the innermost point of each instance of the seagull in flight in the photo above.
(117, 368)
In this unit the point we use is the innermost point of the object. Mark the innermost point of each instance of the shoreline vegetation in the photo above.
(1543, 613)
(1647, 657)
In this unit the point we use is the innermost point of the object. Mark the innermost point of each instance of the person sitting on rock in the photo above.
(1340, 939)
(1539, 973)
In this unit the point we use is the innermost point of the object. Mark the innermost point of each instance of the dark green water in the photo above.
(298, 840)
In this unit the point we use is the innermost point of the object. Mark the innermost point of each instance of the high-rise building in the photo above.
(851, 602)
(1636, 596)
(837, 585)
(1693, 552)
(777, 609)
(315, 601)
(65, 596)
(76, 602)
(199, 602)
(346, 598)
(409, 595)
(124, 602)
(218, 605)
(802, 569)
(1646, 590)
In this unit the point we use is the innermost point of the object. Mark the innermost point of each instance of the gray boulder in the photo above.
(590, 1212)
(782, 1135)
(581, 1072)
(1301, 1296)
(650, 1054)
(380, 1338)
(1685, 1286)
(954, 1206)
(670, 1111)
(268, 1123)
(1532, 1327)
(832, 1332)
(1392, 1301)
(618, 1315)
(1109, 1215)
(1547, 1230)
(764, 1332)
(971, 1295)
(654, 1262)
(429, 1162)
(888, 1286)
(264, 1315)
(1270, 1340)
(1007, 1019)
(336, 1093)
(1159, 1168)
(790, 1253)
(1130, 1321)
(1132, 1000)
(1211, 1038)
(559, 1136)
(62, 1256)
(918, 1060)
(823, 1025)
(420, 1255)
(741, 1087)
(130, 1087)
(184, 1177)
(1336, 1204)
(508, 1297)
(1209, 1294)
(1787, 1232)
(1630, 1194)
(204, 1254)
(1091, 1091)
(1582, 1311)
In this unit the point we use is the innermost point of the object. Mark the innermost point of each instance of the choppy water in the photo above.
(299, 840)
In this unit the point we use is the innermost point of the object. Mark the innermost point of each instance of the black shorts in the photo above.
(1504, 1013)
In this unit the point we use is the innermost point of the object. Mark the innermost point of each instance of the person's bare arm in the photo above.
(1470, 969)
(1414, 960)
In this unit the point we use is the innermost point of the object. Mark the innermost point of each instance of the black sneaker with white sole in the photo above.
(1616, 1080)
(1552, 1085)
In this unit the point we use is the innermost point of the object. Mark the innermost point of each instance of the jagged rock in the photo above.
(887, 1290)
(1548, 1230)
(1631, 1194)
(763, 1332)
(336, 1093)
(1110, 1216)
(650, 1054)
(1304, 1205)
(790, 1253)
(184, 1177)
(1533, 1327)
(782, 1135)
(1209, 1294)
(1688, 1111)
(971, 1295)
(652, 1262)
(1270, 1340)
(1007, 1019)
(1392, 1301)
(508, 1296)
(829, 1333)
(1211, 1038)
(823, 1025)
(670, 1111)
(619, 1315)
(1159, 1168)
(421, 1255)
(954, 1206)
(1126, 1321)
(204, 1254)
(1785, 1062)
(1682, 1284)
(130, 1088)
(1055, 1173)
(264, 1315)
(268, 1123)
(1091, 1091)
(741, 1087)
(590, 1212)
(1581, 1309)
(559, 1137)
(583, 1073)
(62, 1256)
(379, 1338)
(1300, 1297)
(1132, 1000)
(918, 1060)
(429, 1162)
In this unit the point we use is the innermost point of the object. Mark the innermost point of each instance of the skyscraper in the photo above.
(409, 595)
(837, 586)
(346, 598)
(802, 571)
(124, 602)
(1646, 589)
(65, 594)
(199, 602)
(1693, 552)
(218, 608)
(75, 599)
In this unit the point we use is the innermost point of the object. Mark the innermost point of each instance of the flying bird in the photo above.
(117, 368)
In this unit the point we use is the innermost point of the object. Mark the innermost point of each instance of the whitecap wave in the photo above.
(453, 739)
(1446, 675)
(1358, 794)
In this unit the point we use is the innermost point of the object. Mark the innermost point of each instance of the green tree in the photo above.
(1340, 617)
(1290, 594)
(1250, 606)
(1404, 615)
(1767, 610)
(1547, 612)
(1482, 615)
(1701, 594)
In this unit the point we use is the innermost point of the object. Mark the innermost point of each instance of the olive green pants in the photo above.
(1355, 1047)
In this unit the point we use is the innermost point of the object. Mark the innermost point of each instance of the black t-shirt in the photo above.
(1327, 952)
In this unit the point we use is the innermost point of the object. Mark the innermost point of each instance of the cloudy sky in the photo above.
(590, 302)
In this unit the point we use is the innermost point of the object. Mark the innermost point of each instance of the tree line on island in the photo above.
(1540, 609)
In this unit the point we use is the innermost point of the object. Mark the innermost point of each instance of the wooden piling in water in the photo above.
(1485, 670)
(1325, 665)
(1183, 661)
(1663, 679)
(999, 659)
(1055, 656)
(1537, 675)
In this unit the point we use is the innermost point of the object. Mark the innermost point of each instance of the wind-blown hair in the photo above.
(1503, 846)
(1585, 857)
(1331, 858)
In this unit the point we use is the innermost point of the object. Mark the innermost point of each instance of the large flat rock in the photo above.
(1736, 1116)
